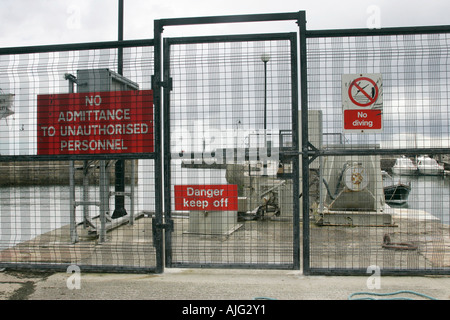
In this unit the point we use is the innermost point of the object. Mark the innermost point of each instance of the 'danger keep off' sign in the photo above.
(95, 123)
(206, 197)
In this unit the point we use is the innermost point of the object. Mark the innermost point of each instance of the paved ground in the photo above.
(209, 284)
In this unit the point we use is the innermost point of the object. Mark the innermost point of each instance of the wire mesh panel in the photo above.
(58, 199)
(231, 115)
(386, 205)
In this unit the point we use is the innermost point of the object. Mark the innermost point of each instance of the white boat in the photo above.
(404, 166)
(429, 166)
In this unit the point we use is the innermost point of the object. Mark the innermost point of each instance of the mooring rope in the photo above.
(387, 244)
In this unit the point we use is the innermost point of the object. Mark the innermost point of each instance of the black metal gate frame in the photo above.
(161, 80)
(309, 152)
(287, 154)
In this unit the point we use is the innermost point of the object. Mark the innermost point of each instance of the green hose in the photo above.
(389, 294)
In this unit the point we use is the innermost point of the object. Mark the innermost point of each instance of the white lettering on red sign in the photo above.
(107, 122)
(206, 197)
(370, 119)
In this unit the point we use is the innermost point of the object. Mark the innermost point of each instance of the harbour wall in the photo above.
(25, 173)
(22, 173)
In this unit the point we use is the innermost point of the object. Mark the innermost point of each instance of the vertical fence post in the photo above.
(305, 138)
(167, 158)
(158, 221)
(295, 160)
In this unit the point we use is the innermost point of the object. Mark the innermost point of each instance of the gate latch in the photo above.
(156, 231)
(159, 226)
(165, 84)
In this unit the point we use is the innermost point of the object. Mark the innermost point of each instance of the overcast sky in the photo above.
(40, 22)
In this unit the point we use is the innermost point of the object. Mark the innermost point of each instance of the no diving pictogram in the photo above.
(363, 92)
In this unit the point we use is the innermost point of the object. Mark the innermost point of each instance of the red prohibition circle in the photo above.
(371, 99)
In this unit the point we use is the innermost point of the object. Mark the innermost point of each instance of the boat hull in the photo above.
(404, 171)
(397, 194)
(431, 171)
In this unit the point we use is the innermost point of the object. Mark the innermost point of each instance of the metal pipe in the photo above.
(166, 162)
(158, 220)
(230, 19)
(103, 201)
(265, 58)
(76, 47)
(295, 160)
(265, 100)
(377, 32)
(120, 38)
(73, 222)
(304, 142)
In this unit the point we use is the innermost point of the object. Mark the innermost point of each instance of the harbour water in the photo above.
(28, 211)
(428, 193)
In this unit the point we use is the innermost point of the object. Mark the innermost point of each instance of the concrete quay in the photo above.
(213, 284)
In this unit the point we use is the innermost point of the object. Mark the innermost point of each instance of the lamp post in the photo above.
(119, 210)
(265, 58)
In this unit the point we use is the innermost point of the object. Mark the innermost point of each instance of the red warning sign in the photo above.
(95, 123)
(363, 92)
(206, 197)
(362, 120)
(362, 103)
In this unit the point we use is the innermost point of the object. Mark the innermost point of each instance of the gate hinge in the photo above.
(315, 150)
(165, 84)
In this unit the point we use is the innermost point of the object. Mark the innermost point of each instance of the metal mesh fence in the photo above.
(386, 206)
(55, 210)
(231, 156)
(230, 116)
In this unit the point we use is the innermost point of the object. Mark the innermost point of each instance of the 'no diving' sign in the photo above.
(362, 102)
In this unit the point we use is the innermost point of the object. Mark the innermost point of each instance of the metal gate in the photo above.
(231, 163)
